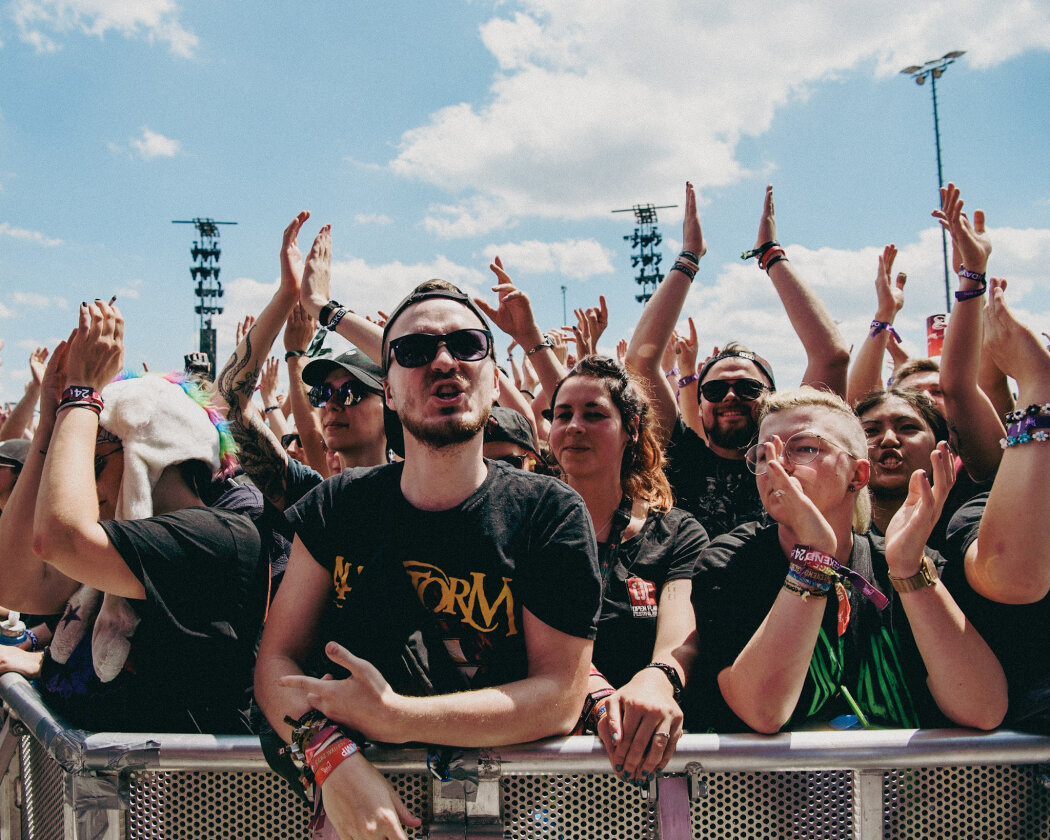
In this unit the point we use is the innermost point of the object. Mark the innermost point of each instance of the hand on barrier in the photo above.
(362, 805)
(642, 727)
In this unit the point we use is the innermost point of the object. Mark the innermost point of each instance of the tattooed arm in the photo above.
(261, 454)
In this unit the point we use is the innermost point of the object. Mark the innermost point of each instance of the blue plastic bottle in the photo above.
(13, 630)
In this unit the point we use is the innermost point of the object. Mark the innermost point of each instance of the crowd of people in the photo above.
(416, 543)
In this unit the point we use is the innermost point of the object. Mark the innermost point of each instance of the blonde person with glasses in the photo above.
(815, 620)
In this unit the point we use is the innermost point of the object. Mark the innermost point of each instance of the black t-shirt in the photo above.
(300, 479)
(663, 551)
(191, 655)
(720, 492)
(1019, 634)
(737, 580)
(520, 541)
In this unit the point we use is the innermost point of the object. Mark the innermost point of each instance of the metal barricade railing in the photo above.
(67, 784)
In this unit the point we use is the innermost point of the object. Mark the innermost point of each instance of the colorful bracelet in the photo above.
(33, 640)
(803, 555)
(672, 372)
(688, 380)
(970, 294)
(879, 326)
(1033, 410)
(332, 757)
(771, 258)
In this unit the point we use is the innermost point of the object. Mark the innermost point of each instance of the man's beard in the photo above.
(738, 437)
(447, 432)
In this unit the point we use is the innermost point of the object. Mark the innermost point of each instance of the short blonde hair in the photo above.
(849, 425)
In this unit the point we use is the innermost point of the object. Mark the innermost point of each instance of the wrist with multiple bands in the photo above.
(541, 346)
(81, 396)
(970, 294)
(1027, 425)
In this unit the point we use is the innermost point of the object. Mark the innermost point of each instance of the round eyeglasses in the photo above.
(800, 448)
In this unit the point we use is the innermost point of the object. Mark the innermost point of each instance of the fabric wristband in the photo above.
(805, 555)
(970, 294)
(879, 326)
(688, 380)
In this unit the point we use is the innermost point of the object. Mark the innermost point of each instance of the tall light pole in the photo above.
(933, 70)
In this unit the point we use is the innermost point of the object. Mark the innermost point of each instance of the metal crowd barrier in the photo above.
(865, 785)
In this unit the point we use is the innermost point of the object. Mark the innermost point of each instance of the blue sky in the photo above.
(436, 135)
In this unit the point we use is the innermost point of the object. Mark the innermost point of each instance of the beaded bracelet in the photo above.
(1030, 427)
(688, 380)
(879, 326)
(804, 592)
(970, 294)
(1033, 410)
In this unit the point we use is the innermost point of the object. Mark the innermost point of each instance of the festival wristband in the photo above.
(336, 754)
(802, 553)
(879, 326)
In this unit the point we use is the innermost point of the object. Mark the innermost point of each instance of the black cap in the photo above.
(354, 362)
(506, 424)
(426, 291)
(747, 355)
(14, 452)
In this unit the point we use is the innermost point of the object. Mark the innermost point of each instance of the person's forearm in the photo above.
(22, 414)
(1012, 560)
(826, 352)
(976, 430)
(26, 582)
(275, 700)
(963, 675)
(865, 373)
(648, 342)
(514, 713)
(274, 416)
(362, 333)
(261, 456)
(307, 420)
(676, 641)
(763, 684)
(511, 397)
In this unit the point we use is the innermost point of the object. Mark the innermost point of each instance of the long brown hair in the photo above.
(642, 470)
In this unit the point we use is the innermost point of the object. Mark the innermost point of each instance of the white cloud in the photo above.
(44, 23)
(38, 301)
(152, 145)
(575, 258)
(595, 102)
(372, 219)
(6, 312)
(6, 229)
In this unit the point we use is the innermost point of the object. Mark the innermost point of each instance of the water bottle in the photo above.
(12, 630)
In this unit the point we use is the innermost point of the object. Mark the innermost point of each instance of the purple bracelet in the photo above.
(879, 326)
(970, 294)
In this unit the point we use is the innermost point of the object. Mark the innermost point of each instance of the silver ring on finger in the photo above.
(778, 493)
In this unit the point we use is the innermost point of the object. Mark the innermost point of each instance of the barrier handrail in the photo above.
(77, 750)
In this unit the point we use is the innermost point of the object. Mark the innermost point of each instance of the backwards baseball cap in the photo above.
(747, 355)
(13, 452)
(427, 291)
(354, 362)
(506, 424)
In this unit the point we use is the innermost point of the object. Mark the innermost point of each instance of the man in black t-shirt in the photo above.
(478, 576)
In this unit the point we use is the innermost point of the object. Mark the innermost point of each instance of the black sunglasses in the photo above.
(418, 349)
(745, 389)
(290, 438)
(349, 393)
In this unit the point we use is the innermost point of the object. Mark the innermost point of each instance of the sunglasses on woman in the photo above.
(349, 393)
(745, 389)
(418, 349)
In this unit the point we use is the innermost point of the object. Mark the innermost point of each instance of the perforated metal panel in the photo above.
(42, 817)
(577, 807)
(953, 802)
(187, 806)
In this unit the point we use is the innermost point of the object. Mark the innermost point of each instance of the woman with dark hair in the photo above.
(603, 442)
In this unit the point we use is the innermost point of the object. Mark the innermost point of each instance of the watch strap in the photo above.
(926, 576)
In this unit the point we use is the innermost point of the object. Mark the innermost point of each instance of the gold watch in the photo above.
(926, 576)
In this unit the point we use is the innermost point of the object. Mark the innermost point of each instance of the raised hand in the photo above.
(560, 343)
(96, 349)
(38, 364)
(242, 328)
(889, 296)
(514, 313)
(767, 225)
(786, 501)
(299, 329)
(291, 256)
(686, 349)
(910, 527)
(317, 273)
(54, 380)
(621, 350)
(692, 235)
(1015, 349)
(970, 243)
(268, 381)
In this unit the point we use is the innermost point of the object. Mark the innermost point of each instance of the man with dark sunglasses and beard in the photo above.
(708, 475)
(446, 575)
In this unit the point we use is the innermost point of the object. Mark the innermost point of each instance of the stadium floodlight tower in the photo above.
(205, 273)
(645, 240)
(933, 70)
